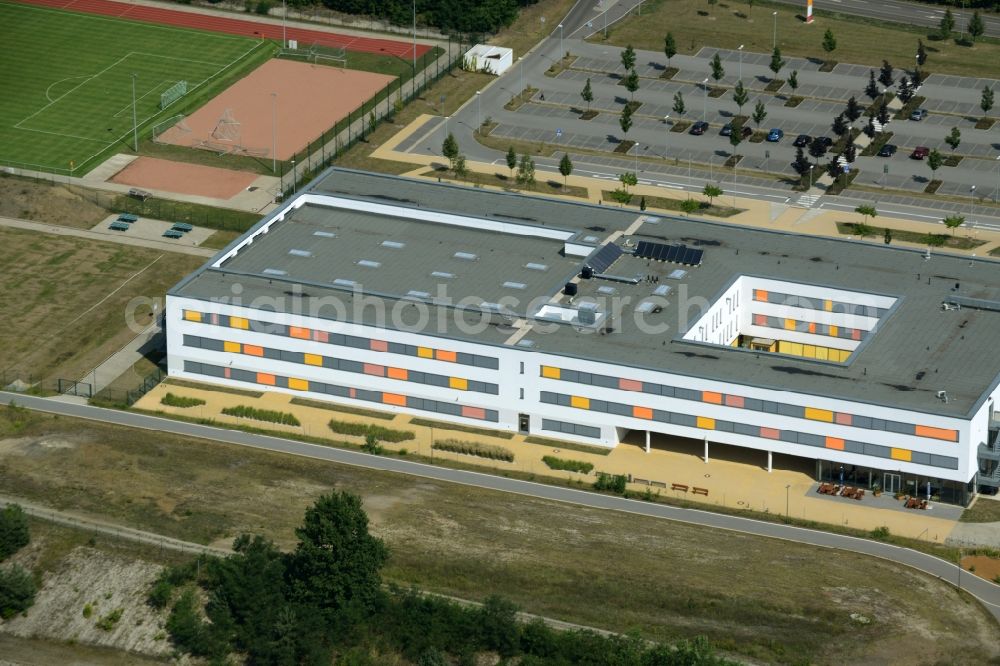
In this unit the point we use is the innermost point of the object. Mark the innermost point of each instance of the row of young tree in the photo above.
(325, 599)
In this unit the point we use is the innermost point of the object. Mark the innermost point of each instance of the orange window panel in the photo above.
(550, 372)
(901, 454)
(835, 443)
(312, 359)
(819, 414)
(378, 345)
(253, 350)
(298, 384)
(706, 423)
(191, 315)
(734, 401)
(473, 412)
(629, 384)
(448, 356)
(770, 433)
(458, 383)
(642, 413)
(394, 399)
(812, 327)
(299, 332)
(372, 369)
(264, 378)
(232, 347)
(709, 396)
(579, 402)
(398, 373)
(760, 295)
(937, 433)
(239, 322)
(425, 352)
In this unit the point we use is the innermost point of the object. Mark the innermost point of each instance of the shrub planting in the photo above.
(365, 429)
(491, 451)
(568, 465)
(271, 416)
(171, 400)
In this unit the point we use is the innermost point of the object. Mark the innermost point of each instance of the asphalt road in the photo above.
(984, 591)
(897, 11)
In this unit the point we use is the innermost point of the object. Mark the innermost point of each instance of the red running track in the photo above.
(233, 26)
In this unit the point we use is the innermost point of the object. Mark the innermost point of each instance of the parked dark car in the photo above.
(888, 150)
(727, 130)
(775, 135)
(827, 141)
(920, 152)
(698, 128)
(802, 140)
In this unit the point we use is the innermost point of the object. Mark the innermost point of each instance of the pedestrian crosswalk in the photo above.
(807, 200)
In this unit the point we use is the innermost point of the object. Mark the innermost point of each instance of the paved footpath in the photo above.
(14, 223)
(986, 592)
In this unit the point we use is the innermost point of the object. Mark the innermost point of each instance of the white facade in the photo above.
(489, 59)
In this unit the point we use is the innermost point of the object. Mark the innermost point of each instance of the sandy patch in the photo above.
(156, 174)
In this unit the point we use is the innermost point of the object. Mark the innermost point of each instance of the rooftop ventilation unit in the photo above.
(570, 289)
(973, 303)
(443, 275)
(343, 282)
(274, 271)
(325, 234)
(367, 263)
(394, 245)
(515, 285)
(536, 267)
(466, 256)
(300, 253)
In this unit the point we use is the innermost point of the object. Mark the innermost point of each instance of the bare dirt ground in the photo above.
(43, 202)
(767, 600)
(205, 181)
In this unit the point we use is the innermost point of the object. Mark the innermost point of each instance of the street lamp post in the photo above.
(414, 35)
(520, 94)
(274, 132)
(996, 191)
(294, 183)
(479, 112)
(741, 61)
(787, 486)
(135, 125)
(704, 110)
(561, 51)
(972, 201)
(811, 167)
(774, 39)
(666, 136)
(284, 31)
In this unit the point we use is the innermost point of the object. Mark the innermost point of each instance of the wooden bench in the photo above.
(678, 486)
(700, 491)
(141, 195)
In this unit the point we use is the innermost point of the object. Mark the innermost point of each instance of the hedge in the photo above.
(491, 451)
(364, 429)
(568, 465)
(171, 400)
(245, 412)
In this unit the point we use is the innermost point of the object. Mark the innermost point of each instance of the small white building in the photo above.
(489, 59)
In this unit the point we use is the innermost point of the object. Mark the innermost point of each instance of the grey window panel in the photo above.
(224, 320)
(549, 424)
(447, 408)
(661, 415)
(584, 378)
(487, 362)
(291, 357)
(569, 375)
(415, 403)
(337, 339)
(492, 415)
(342, 391)
(903, 428)
(281, 382)
(396, 348)
(474, 386)
(724, 426)
(878, 424)
(492, 389)
(651, 388)
(416, 377)
(192, 366)
(192, 341)
(619, 408)
(465, 358)
(370, 396)
(768, 407)
(355, 341)
(791, 410)
(944, 461)
(920, 458)
(272, 353)
(876, 450)
(810, 439)
(214, 345)
(351, 366)
(746, 429)
(564, 400)
(753, 404)
(788, 436)
(548, 397)
(329, 362)
(436, 380)
(862, 422)
(667, 391)
(214, 370)
(243, 375)
(598, 406)
(605, 381)
(588, 431)
(687, 394)
(683, 419)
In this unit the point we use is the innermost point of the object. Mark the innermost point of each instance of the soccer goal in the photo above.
(173, 93)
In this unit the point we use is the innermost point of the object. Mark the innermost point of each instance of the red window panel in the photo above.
(379, 345)
(843, 419)
(321, 336)
(629, 384)
(770, 433)
(473, 412)
(228, 373)
(734, 401)
(855, 333)
(353, 393)
(760, 320)
(372, 369)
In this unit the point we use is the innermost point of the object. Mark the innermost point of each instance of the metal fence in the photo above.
(128, 397)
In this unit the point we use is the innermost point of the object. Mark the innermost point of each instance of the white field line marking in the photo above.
(68, 78)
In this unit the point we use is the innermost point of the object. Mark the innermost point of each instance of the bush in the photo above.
(880, 533)
(108, 622)
(612, 482)
(88, 610)
(171, 400)
(245, 412)
(364, 429)
(568, 465)
(160, 595)
(263, 7)
(491, 451)
(13, 530)
(187, 631)
(17, 591)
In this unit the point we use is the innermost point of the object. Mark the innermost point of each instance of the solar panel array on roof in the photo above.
(674, 254)
(606, 256)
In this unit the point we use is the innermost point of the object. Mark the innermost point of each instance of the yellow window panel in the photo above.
(458, 383)
(706, 423)
(313, 359)
(579, 402)
(828, 306)
(550, 372)
(823, 353)
(425, 352)
(901, 454)
(789, 324)
(233, 347)
(239, 322)
(191, 315)
(833, 331)
(298, 384)
(809, 351)
(819, 414)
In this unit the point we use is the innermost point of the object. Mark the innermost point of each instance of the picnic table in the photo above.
(183, 227)
(172, 233)
(128, 217)
(118, 225)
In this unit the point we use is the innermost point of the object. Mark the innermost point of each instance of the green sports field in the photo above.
(67, 81)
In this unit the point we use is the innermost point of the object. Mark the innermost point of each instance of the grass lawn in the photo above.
(664, 203)
(984, 511)
(546, 186)
(65, 300)
(859, 40)
(934, 240)
(534, 23)
(772, 601)
(68, 79)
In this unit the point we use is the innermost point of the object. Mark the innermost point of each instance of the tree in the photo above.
(735, 139)
(887, 236)
(885, 74)
(776, 62)
(817, 148)
(628, 58)
(526, 171)
(834, 168)
(335, 566)
(628, 178)
(850, 153)
(872, 88)
(625, 120)
(839, 125)
(801, 163)
(461, 171)
(976, 27)
(954, 138)
(869, 128)
(711, 191)
(587, 94)
(642, 203)
(793, 80)
(882, 115)
(14, 533)
(740, 96)
(450, 148)
(953, 222)
(717, 70)
(689, 206)
(947, 24)
(921, 53)
(986, 101)
(17, 591)
(853, 110)
(372, 121)
(759, 113)
(498, 626)
(631, 84)
(867, 210)
(829, 41)
(905, 92)
(669, 47)
(679, 107)
(511, 160)
(565, 167)
(934, 161)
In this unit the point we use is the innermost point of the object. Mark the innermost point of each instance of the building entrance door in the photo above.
(890, 482)
(523, 422)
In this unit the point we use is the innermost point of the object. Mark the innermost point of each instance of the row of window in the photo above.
(753, 404)
(353, 341)
(791, 436)
(381, 397)
(823, 304)
(343, 365)
(571, 428)
(811, 327)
